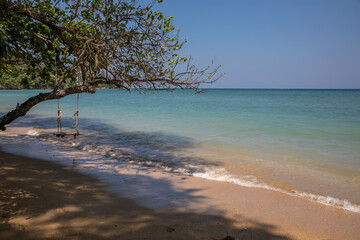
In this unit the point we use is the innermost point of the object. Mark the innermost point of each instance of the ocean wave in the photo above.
(329, 201)
(33, 132)
(254, 183)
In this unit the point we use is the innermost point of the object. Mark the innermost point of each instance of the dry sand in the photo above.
(45, 200)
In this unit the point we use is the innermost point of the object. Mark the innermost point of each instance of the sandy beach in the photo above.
(69, 197)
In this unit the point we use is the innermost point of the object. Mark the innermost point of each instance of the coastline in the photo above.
(239, 211)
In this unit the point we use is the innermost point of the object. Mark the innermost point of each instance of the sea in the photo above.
(304, 143)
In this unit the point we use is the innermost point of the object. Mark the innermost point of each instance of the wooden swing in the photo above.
(60, 132)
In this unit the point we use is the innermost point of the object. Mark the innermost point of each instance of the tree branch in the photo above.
(22, 109)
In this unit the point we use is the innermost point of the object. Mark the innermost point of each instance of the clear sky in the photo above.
(273, 43)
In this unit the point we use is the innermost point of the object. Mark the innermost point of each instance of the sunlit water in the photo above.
(301, 142)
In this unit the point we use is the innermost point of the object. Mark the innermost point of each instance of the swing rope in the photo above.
(58, 119)
(76, 114)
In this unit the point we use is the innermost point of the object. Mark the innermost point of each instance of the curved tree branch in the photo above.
(22, 109)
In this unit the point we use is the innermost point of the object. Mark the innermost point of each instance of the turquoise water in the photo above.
(304, 139)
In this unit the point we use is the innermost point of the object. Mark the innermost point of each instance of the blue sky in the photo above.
(273, 43)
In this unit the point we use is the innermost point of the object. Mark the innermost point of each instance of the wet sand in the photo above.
(44, 199)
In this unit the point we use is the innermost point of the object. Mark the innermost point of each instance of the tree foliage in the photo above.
(115, 42)
(95, 42)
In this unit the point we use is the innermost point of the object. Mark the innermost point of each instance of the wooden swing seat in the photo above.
(63, 134)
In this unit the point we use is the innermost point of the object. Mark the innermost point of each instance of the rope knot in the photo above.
(76, 114)
(59, 115)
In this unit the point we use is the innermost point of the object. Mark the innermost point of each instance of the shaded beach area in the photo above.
(75, 200)
(41, 199)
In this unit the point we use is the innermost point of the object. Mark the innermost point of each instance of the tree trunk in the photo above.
(22, 109)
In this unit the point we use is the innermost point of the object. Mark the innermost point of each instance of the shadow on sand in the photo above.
(44, 200)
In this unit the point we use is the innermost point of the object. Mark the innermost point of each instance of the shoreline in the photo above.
(155, 189)
(43, 138)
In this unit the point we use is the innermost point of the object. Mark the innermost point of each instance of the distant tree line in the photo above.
(18, 77)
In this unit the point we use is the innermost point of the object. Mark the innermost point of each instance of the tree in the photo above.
(92, 43)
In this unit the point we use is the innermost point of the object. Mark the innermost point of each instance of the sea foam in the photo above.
(325, 200)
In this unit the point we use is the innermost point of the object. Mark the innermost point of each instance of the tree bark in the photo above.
(22, 109)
